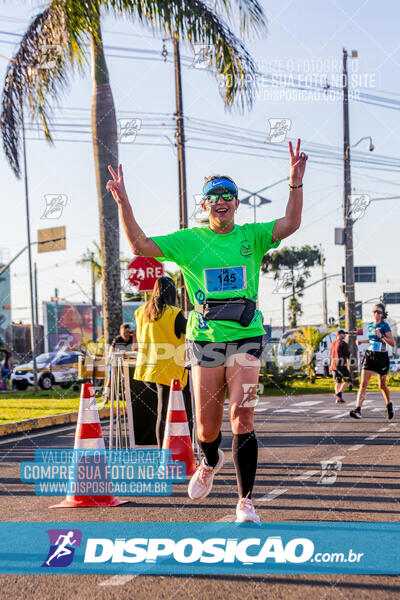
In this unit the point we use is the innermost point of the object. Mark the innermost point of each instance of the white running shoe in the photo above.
(245, 512)
(201, 482)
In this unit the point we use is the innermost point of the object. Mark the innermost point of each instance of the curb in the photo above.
(42, 422)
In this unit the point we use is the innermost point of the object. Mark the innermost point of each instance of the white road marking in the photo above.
(261, 406)
(339, 415)
(308, 403)
(383, 429)
(306, 475)
(327, 410)
(118, 580)
(273, 494)
(356, 447)
(371, 437)
(289, 410)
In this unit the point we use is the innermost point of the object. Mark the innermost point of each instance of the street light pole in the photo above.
(254, 196)
(28, 234)
(349, 291)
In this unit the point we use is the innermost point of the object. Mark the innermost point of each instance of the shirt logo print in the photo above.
(246, 249)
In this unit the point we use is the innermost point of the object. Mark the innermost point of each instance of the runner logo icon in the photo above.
(61, 551)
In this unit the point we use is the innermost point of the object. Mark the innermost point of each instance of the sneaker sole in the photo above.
(248, 520)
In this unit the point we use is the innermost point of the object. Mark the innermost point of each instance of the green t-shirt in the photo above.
(217, 265)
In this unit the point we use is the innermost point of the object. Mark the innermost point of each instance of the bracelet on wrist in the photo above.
(295, 187)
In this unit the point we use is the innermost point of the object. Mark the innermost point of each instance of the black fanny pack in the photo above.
(228, 309)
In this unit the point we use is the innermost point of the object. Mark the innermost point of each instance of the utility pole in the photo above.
(35, 291)
(180, 142)
(36, 294)
(349, 291)
(324, 295)
(56, 313)
(94, 308)
(28, 235)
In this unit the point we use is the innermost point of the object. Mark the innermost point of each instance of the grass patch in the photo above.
(57, 393)
(18, 409)
(18, 406)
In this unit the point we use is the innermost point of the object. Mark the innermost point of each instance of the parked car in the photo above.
(59, 367)
(394, 364)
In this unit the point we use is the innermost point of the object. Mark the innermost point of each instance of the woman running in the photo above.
(376, 360)
(221, 266)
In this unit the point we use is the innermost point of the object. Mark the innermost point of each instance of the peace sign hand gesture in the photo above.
(116, 185)
(297, 164)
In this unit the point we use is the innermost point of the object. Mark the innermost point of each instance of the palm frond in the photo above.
(250, 12)
(194, 21)
(37, 74)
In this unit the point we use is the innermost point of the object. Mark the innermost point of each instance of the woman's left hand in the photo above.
(297, 164)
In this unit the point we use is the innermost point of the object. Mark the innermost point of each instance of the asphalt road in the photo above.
(294, 435)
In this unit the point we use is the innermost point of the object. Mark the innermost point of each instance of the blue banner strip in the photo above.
(199, 548)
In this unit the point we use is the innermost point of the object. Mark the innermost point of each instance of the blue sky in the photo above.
(303, 37)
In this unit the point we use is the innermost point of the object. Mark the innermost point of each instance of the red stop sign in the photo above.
(143, 272)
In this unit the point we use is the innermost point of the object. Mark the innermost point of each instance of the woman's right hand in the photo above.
(116, 185)
(358, 342)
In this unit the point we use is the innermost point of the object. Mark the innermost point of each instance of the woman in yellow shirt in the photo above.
(160, 334)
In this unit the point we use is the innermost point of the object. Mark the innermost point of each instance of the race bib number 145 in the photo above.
(225, 279)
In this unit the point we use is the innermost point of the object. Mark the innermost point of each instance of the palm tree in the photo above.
(58, 37)
(309, 339)
(93, 259)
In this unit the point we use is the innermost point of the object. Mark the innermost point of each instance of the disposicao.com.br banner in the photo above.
(199, 548)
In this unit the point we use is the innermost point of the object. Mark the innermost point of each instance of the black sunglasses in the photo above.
(378, 311)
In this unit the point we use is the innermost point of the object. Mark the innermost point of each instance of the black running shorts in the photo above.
(215, 354)
(376, 361)
(341, 373)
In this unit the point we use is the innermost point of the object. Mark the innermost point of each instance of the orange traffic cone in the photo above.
(176, 436)
(88, 436)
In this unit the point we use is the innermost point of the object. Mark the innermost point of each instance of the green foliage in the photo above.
(64, 28)
(291, 266)
(94, 256)
(309, 339)
(271, 376)
(393, 379)
(295, 311)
